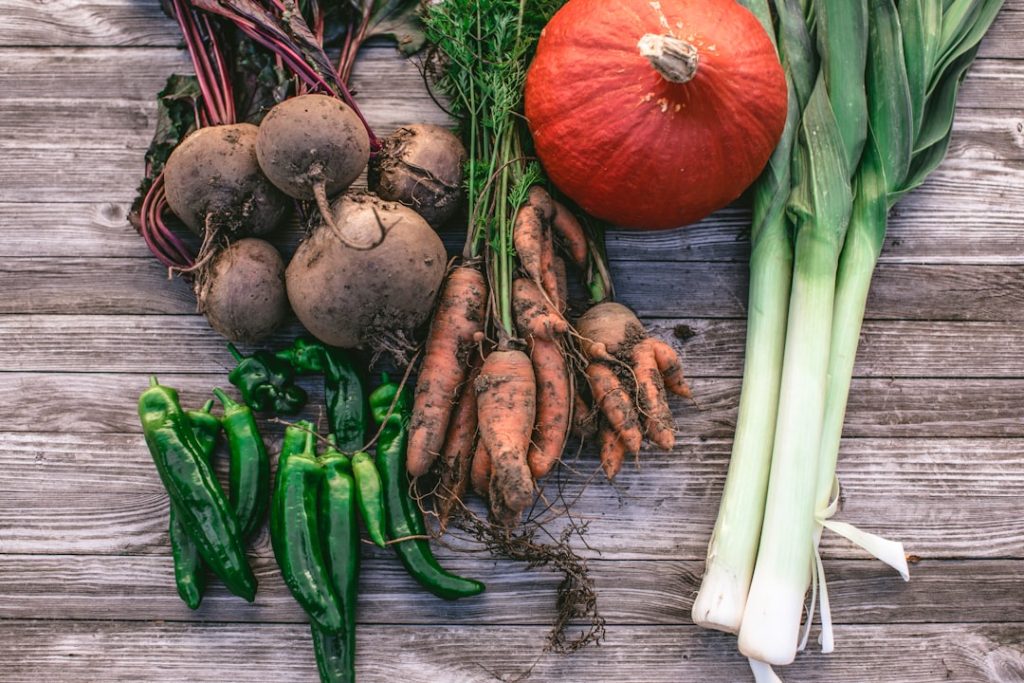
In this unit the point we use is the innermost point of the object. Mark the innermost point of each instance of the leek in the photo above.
(733, 546)
(833, 131)
(919, 54)
(875, 124)
(820, 205)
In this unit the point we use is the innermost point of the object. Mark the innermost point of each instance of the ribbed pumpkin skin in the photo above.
(637, 150)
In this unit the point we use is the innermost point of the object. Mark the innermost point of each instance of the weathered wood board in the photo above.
(933, 451)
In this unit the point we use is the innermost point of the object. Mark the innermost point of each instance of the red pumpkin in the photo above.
(654, 114)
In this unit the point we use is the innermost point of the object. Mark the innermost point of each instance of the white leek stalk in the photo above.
(820, 205)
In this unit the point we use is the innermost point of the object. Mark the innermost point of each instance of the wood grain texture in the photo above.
(880, 408)
(630, 592)
(954, 224)
(119, 651)
(710, 347)
(140, 23)
(946, 498)
(899, 291)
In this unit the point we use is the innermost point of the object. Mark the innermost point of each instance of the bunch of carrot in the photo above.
(497, 394)
(498, 414)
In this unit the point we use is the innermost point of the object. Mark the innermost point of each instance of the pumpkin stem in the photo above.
(676, 60)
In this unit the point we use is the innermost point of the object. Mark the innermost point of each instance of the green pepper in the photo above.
(188, 566)
(305, 356)
(343, 389)
(346, 403)
(370, 496)
(335, 658)
(295, 534)
(339, 533)
(249, 480)
(267, 383)
(401, 511)
(198, 502)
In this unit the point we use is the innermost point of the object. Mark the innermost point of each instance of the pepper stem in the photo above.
(153, 381)
(235, 353)
(207, 407)
(676, 60)
(226, 400)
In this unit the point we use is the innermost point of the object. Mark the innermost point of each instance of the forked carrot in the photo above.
(653, 400)
(671, 368)
(506, 407)
(616, 404)
(531, 235)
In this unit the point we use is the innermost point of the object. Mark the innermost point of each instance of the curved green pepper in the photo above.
(188, 566)
(402, 514)
(339, 533)
(370, 496)
(249, 480)
(295, 535)
(198, 502)
(346, 404)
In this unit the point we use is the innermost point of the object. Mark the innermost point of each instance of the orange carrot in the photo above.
(458, 319)
(457, 453)
(562, 280)
(671, 368)
(573, 238)
(542, 203)
(584, 419)
(531, 235)
(613, 452)
(480, 472)
(616, 404)
(534, 317)
(652, 397)
(553, 406)
(506, 394)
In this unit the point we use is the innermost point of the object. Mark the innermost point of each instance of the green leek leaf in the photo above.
(843, 46)
(889, 98)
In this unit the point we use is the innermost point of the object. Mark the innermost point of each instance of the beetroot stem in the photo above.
(218, 105)
(222, 71)
(194, 51)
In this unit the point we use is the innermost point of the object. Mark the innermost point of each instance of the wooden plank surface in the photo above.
(933, 452)
(879, 408)
(947, 497)
(710, 347)
(118, 651)
(936, 292)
